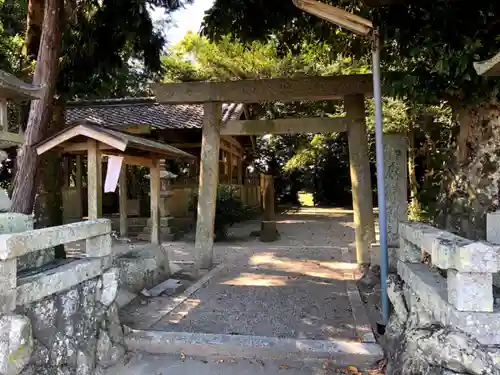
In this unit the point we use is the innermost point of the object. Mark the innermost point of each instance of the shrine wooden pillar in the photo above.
(209, 177)
(359, 163)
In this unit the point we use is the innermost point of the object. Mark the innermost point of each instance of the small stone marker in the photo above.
(168, 286)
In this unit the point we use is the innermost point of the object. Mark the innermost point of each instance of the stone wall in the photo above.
(60, 318)
(75, 332)
(445, 319)
(419, 343)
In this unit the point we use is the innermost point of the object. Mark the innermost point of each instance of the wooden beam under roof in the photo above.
(265, 90)
(285, 126)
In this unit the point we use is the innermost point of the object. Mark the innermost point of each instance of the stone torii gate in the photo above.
(349, 88)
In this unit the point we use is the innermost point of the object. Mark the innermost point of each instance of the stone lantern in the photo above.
(13, 89)
(165, 218)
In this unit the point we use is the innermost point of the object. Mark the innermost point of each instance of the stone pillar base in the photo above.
(269, 232)
(470, 291)
(166, 233)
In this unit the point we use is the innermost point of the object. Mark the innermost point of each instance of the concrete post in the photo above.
(362, 201)
(209, 176)
(396, 184)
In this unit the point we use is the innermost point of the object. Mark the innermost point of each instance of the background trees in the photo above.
(428, 55)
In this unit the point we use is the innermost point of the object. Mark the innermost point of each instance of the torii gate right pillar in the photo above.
(362, 201)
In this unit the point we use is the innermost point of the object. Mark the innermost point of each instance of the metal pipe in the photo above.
(379, 143)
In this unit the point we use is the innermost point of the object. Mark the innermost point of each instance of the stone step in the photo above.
(149, 364)
(146, 236)
(338, 353)
(164, 221)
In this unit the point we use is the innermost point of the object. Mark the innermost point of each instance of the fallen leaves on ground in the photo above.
(350, 370)
(380, 369)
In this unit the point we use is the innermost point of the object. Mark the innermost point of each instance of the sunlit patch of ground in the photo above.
(306, 267)
(306, 199)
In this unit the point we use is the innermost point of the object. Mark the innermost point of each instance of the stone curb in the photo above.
(362, 323)
(338, 352)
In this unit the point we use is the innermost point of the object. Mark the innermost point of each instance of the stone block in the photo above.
(106, 262)
(143, 267)
(15, 223)
(16, 344)
(8, 274)
(109, 286)
(449, 251)
(408, 252)
(85, 363)
(169, 286)
(479, 257)
(43, 284)
(493, 227)
(470, 291)
(431, 291)
(99, 246)
(17, 244)
(8, 299)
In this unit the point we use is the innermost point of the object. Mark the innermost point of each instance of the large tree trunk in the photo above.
(473, 187)
(34, 29)
(24, 190)
(49, 204)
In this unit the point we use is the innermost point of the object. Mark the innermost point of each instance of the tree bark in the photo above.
(28, 163)
(34, 29)
(49, 204)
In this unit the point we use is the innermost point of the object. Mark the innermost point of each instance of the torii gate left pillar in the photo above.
(207, 193)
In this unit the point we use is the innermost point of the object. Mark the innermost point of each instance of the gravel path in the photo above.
(294, 287)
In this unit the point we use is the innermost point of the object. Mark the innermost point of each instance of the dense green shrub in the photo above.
(229, 210)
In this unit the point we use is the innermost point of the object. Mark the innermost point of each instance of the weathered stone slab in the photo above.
(340, 352)
(408, 252)
(17, 244)
(16, 344)
(168, 285)
(431, 289)
(99, 246)
(14, 222)
(44, 284)
(109, 286)
(470, 291)
(449, 251)
(396, 184)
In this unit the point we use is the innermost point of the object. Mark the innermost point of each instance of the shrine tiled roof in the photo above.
(118, 113)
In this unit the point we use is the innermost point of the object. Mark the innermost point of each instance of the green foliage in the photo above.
(229, 210)
(111, 48)
(12, 28)
(428, 47)
(196, 58)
